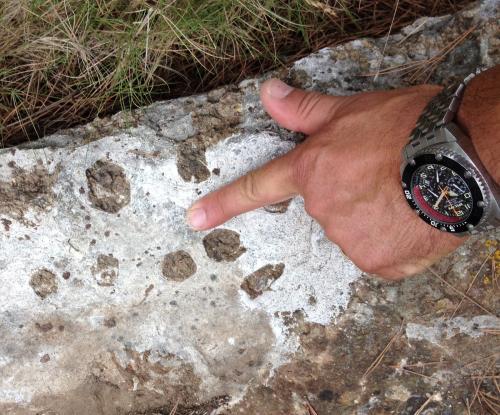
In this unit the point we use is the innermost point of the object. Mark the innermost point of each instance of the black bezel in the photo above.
(477, 196)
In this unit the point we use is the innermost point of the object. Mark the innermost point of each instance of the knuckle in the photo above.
(308, 103)
(220, 205)
(249, 187)
(304, 166)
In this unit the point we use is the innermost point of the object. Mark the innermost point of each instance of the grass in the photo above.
(63, 62)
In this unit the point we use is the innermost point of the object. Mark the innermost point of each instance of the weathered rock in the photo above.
(90, 325)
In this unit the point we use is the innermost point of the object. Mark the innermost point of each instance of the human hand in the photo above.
(347, 171)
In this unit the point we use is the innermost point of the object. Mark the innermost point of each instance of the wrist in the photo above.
(479, 117)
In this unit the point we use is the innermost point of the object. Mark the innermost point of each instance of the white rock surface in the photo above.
(203, 320)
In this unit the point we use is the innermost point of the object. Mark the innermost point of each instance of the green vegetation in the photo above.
(62, 62)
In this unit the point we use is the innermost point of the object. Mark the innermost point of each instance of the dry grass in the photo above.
(62, 62)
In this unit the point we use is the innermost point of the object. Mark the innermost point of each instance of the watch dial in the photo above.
(441, 193)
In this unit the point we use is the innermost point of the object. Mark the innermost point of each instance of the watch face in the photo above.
(443, 193)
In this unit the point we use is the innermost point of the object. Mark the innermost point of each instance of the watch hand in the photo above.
(456, 187)
(432, 193)
(452, 207)
(452, 193)
(437, 176)
(443, 193)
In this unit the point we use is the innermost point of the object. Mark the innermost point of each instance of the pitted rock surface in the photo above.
(90, 325)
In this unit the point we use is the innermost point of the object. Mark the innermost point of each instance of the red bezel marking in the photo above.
(430, 210)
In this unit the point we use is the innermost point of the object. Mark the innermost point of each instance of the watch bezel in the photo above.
(477, 212)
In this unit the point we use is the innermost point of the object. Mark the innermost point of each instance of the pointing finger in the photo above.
(269, 184)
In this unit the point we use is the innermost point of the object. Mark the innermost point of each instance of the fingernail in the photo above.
(278, 89)
(196, 218)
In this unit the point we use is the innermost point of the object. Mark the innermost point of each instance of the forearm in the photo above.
(479, 115)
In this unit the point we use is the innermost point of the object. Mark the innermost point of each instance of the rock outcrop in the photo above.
(110, 304)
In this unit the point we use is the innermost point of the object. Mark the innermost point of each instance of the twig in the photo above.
(477, 385)
(460, 292)
(174, 409)
(424, 405)
(471, 284)
(415, 373)
(379, 358)
(310, 409)
(386, 40)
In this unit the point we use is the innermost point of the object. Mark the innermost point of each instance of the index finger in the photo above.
(271, 183)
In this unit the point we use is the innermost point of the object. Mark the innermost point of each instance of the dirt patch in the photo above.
(6, 224)
(106, 270)
(109, 189)
(178, 266)
(44, 327)
(204, 408)
(220, 116)
(45, 358)
(280, 207)
(27, 190)
(191, 161)
(43, 283)
(223, 245)
(259, 281)
(110, 322)
(213, 121)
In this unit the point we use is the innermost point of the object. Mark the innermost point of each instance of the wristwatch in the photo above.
(442, 176)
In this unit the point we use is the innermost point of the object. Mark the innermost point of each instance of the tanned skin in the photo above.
(347, 170)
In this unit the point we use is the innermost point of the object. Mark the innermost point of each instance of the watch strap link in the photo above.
(440, 111)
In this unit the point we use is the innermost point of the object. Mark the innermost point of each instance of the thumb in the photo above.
(296, 109)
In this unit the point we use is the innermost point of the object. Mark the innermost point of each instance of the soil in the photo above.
(213, 121)
(191, 161)
(178, 266)
(26, 190)
(106, 270)
(206, 408)
(43, 283)
(109, 189)
(259, 281)
(223, 245)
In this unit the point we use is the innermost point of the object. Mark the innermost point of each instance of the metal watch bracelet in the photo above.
(440, 111)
